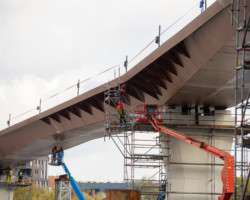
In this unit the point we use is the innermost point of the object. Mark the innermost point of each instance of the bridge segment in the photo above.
(194, 67)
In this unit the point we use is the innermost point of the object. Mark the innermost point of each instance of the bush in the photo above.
(37, 193)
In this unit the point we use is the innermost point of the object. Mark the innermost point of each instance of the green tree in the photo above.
(99, 196)
(34, 193)
(147, 186)
(87, 197)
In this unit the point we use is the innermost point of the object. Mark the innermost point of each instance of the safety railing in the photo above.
(144, 112)
(54, 161)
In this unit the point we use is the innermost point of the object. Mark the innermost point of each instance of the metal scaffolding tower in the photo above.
(112, 121)
(140, 147)
(62, 188)
(242, 105)
(143, 151)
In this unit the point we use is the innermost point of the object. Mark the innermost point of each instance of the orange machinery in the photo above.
(227, 173)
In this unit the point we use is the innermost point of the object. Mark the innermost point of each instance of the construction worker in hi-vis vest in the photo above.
(121, 112)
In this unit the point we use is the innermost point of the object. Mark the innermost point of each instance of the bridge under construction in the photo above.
(193, 79)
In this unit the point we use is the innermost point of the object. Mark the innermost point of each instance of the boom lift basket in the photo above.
(144, 112)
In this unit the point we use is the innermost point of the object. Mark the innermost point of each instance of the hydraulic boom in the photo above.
(227, 173)
(73, 183)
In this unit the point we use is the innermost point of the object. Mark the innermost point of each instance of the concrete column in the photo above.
(190, 169)
(6, 190)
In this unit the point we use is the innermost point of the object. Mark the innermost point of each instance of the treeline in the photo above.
(38, 193)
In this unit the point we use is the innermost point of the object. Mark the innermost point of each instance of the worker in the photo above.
(120, 110)
(121, 91)
(10, 173)
(161, 196)
(20, 176)
(60, 156)
(54, 152)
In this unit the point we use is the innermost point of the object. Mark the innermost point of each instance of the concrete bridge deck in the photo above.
(194, 67)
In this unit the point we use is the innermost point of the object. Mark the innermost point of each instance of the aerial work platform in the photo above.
(151, 115)
(63, 189)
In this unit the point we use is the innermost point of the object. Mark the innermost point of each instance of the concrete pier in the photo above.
(6, 190)
(192, 173)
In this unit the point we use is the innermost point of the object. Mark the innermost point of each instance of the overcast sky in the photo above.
(47, 45)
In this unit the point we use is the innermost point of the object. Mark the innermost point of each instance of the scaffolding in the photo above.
(139, 144)
(143, 151)
(150, 151)
(143, 148)
(62, 188)
(116, 129)
(9, 183)
(242, 105)
(112, 119)
(214, 120)
(128, 134)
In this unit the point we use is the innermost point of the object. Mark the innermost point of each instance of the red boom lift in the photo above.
(151, 114)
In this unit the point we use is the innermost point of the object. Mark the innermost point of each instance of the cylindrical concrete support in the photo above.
(6, 192)
(191, 181)
(123, 195)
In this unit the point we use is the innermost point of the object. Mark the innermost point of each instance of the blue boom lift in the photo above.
(72, 180)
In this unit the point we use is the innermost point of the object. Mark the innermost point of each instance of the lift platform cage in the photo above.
(144, 112)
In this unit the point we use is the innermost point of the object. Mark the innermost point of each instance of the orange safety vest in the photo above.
(120, 106)
(122, 90)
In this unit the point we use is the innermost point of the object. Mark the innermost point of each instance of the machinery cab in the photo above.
(145, 111)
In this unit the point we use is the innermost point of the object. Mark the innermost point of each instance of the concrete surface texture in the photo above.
(6, 192)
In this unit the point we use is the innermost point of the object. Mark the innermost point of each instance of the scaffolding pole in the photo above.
(241, 97)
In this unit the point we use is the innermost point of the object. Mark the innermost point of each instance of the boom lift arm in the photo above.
(227, 173)
(73, 183)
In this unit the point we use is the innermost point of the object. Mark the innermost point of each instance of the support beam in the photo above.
(75, 110)
(144, 89)
(133, 91)
(153, 78)
(182, 49)
(46, 120)
(65, 114)
(95, 102)
(165, 65)
(126, 99)
(85, 107)
(55, 117)
(172, 56)
(164, 75)
(147, 84)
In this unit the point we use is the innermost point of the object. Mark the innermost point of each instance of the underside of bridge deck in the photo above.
(194, 67)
